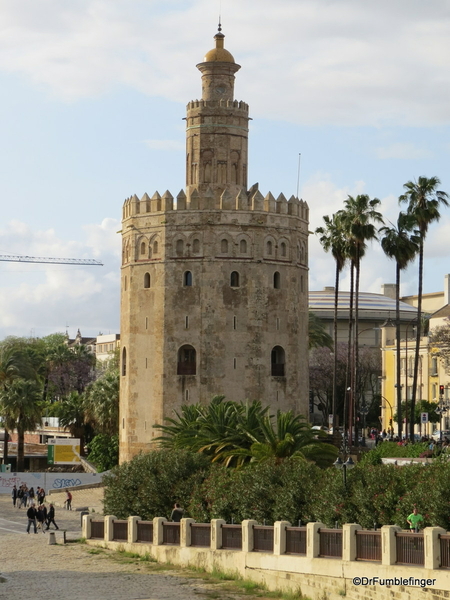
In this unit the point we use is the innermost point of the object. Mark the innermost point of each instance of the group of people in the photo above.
(39, 517)
(25, 496)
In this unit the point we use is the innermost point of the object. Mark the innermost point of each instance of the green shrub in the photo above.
(150, 484)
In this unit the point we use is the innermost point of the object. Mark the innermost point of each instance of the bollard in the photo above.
(82, 513)
(51, 538)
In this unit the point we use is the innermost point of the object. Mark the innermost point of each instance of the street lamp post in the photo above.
(347, 463)
(383, 407)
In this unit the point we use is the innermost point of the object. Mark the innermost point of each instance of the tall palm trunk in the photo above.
(418, 335)
(349, 377)
(20, 449)
(335, 349)
(397, 336)
(5, 447)
(356, 346)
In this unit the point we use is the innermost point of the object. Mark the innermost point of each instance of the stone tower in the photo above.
(215, 281)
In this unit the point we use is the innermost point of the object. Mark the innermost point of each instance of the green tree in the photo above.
(359, 217)
(333, 239)
(102, 403)
(104, 451)
(424, 201)
(401, 243)
(9, 371)
(22, 410)
(72, 415)
(317, 334)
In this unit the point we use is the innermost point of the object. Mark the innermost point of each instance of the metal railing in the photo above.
(262, 538)
(296, 540)
(330, 543)
(120, 531)
(171, 533)
(201, 534)
(410, 549)
(145, 531)
(98, 530)
(232, 537)
(368, 545)
(444, 541)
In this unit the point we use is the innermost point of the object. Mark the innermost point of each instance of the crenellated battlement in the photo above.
(238, 104)
(242, 201)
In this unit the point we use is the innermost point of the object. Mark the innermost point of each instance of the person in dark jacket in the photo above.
(177, 513)
(51, 517)
(41, 517)
(31, 514)
(14, 495)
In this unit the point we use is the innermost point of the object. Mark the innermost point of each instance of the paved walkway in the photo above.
(30, 567)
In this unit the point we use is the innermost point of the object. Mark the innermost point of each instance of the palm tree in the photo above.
(21, 409)
(424, 200)
(10, 367)
(317, 334)
(102, 403)
(72, 416)
(358, 219)
(332, 238)
(290, 437)
(401, 243)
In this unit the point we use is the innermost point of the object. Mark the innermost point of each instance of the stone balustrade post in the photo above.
(132, 529)
(313, 539)
(158, 533)
(86, 530)
(109, 528)
(216, 533)
(432, 546)
(247, 535)
(279, 537)
(389, 544)
(349, 540)
(185, 532)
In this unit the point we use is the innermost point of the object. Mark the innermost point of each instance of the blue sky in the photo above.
(93, 97)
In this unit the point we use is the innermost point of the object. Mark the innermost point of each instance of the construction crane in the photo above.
(53, 261)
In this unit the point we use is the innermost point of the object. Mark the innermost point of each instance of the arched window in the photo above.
(283, 249)
(234, 279)
(155, 247)
(187, 361)
(224, 246)
(142, 247)
(147, 280)
(277, 360)
(187, 279)
(243, 247)
(179, 247)
(124, 361)
(277, 280)
(269, 249)
(196, 246)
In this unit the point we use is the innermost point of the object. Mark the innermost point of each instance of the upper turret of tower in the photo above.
(219, 54)
(218, 69)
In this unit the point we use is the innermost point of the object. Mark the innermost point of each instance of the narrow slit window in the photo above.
(277, 280)
(234, 279)
(234, 322)
(234, 363)
(147, 280)
(187, 279)
(124, 362)
(186, 322)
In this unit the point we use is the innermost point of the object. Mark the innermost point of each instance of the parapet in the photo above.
(209, 200)
(238, 104)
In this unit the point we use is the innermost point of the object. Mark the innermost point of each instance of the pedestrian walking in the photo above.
(41, 516)
(51, 517)
(14, 495)
(68, 501)
(31, 514)
(415, 519)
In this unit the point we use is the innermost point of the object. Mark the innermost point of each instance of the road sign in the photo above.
(63, 451)
(424, 417)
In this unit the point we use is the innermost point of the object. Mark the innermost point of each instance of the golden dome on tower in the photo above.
(219, 54)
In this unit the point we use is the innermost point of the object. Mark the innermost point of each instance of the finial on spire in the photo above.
(220, 25)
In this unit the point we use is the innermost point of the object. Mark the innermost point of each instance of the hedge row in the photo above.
(293, 490)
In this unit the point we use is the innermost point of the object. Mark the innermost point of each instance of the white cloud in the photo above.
(342, 62)
(403, 151)
(43, 298)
